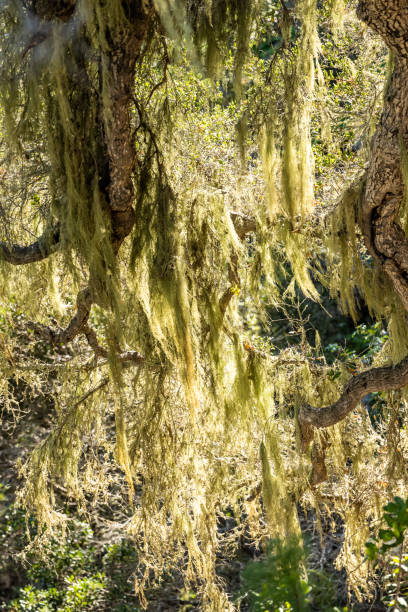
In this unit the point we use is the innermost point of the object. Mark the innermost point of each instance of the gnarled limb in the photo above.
(387, 378)
(78, 321)
(384, 192)
(42, 248)
(120, 148)
(377, 379)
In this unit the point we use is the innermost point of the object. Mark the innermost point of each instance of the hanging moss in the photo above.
(296, 165)
(209, 414)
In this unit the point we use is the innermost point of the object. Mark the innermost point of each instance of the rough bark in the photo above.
(17, 255)
(53, 9)
(119, 139)
(385, 190)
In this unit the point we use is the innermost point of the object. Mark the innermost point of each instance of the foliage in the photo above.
(79, 573)
(280, 581)
(388, 548)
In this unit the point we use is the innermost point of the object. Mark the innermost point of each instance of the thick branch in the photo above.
(385, 188)
(119, 143)
(17, 255)
(377, 379)
(389, 19)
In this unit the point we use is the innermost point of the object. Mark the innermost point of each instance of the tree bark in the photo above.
(385, 189)
(123, 55)
(40, 249)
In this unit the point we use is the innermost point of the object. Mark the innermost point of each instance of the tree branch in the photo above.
(46, 244)
(124, 357)
(74, 327)
(388, 378)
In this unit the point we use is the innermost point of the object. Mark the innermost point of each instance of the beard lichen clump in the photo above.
(165, 407)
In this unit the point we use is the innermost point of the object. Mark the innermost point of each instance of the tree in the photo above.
(153, 238)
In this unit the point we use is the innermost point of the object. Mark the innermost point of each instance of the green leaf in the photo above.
(386, 535)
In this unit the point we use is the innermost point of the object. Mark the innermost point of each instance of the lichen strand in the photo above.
(299, 76)
(203, 423)
(212, 23)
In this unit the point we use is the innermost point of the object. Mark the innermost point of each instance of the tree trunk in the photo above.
(385, 189)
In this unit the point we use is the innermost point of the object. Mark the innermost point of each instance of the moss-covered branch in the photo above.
(388, 378)
(126, 357)
(18, 255)
(76, 326)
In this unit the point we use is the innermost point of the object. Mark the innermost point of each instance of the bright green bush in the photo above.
(387, 552)
(280, 581)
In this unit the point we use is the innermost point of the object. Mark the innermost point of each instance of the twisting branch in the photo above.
(78, 321)
(377, 379)
(42, 248)
(92, 340)
(75, 326)
(387, 378)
